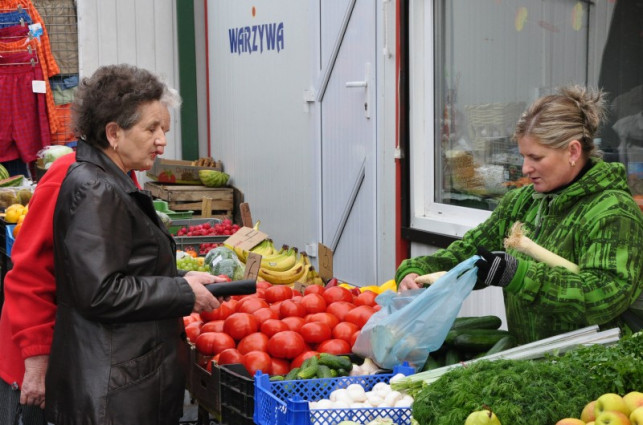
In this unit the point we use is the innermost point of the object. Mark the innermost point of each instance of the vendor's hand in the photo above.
(495, 268)
(408, 283)
(204, 300)
(32, 392)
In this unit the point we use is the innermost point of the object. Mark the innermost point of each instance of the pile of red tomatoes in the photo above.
(277, 328)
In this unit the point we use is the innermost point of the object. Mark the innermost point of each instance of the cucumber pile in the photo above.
(468, 338)
(324, 365)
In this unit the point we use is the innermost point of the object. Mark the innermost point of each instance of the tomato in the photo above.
(354, 338)
(278, 293)
(262, 284)
(280, 366)
(360, 315)
(294, 323)
(193, 317)
(225, 277)
(232, 303)
(238, 325)
(366, 298)
(314, 289)
(275, 307)
(264, 314)
(377, 307)
(286, 345)
(254, 342)
(344, 330)
(315, 332)
(250, 305)
(339, 309)
(230, 356)
(218, 313)
(290, 308)
(192, 331)
(297, 361)
(211, 343)
(297, 297)
(314, 303)
(334, 346)
(257, 360)
(213, 326)
(272, 326)
(324, 317)
(337, 293)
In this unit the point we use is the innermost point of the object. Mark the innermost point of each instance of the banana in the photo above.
(242, 254)
(280, 262)
(264, 248)
(285, 277)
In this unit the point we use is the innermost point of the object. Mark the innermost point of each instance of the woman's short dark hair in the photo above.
(113, 93)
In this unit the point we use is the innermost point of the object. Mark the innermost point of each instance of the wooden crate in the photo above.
(190, 198)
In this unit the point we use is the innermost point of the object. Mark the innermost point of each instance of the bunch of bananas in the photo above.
(283, 266)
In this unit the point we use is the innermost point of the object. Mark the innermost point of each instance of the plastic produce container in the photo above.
(286, 402)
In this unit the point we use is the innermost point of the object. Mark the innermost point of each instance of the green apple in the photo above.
(611, 417)
(636, 417)
(588, 415)
(633, 400)
(482, 417)
(570, 421)
(610, 402)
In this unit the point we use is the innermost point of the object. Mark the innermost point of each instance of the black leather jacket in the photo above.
(116, 356)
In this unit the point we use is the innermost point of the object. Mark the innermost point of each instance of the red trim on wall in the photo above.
(401, 245)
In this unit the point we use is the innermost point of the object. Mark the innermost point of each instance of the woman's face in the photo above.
(138, 146)
(547, 168)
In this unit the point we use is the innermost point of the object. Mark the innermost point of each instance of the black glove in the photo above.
(495, 268)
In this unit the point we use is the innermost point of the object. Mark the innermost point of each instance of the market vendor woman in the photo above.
(577, 206)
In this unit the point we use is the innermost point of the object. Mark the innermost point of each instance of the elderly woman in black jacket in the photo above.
(116, 357)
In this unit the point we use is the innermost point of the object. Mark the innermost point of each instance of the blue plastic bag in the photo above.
(414, 323)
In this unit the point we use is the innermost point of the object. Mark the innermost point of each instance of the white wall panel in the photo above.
(139, 32)
(260, 123)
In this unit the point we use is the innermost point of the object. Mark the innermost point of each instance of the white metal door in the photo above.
(348, 138)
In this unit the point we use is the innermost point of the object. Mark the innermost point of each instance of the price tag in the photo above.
(246, 238)
(253, 262)
(38, 86)
(246, 217)
(325, 261)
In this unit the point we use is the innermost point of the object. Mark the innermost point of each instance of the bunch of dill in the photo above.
(528, 392)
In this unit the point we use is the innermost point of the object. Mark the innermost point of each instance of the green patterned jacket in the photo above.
(594, 222)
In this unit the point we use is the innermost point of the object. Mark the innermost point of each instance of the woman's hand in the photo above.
(204, 300)
(32, 392)
(408, 283)
(217, 279)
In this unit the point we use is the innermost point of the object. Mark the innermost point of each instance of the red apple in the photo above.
(570, 421)
(633, 400)
(588, 415)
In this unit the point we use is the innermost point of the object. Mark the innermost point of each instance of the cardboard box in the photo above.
(177, 171)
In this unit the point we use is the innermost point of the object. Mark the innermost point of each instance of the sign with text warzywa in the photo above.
(256, 39)
(246, 238)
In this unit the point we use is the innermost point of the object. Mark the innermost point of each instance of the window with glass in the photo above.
(475, 65)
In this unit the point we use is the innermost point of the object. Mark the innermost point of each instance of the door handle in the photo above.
(366, 85)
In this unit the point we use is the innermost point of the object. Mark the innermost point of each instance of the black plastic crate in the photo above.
(237, 395)
(205, 386)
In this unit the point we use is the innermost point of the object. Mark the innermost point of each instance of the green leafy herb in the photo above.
(527, 392)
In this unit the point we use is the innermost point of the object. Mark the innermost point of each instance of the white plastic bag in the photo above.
(414, 323)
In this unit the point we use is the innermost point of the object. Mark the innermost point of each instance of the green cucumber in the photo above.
(481, 322)
(277, 378)
(478, 339)
(335, 362)
(452, 357)
(310, 370)
(324, 371)
(292, 375)
(503, 344)
(430, 363)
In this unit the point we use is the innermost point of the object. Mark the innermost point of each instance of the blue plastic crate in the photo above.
(286, 402)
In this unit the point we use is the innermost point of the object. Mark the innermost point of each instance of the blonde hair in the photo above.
(574, 113)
